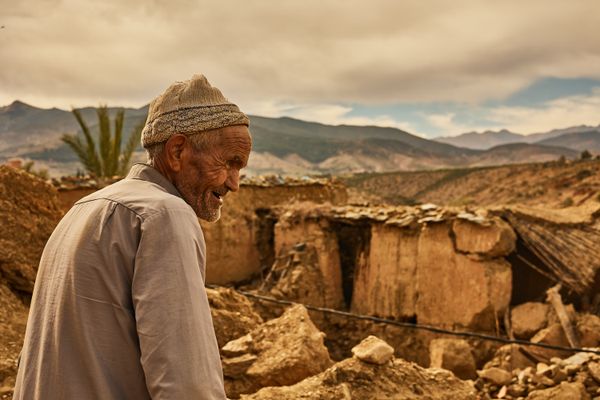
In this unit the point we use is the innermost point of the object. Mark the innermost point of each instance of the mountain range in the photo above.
(578, 138)
(291, 146)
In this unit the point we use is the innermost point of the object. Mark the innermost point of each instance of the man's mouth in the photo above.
(217, 195)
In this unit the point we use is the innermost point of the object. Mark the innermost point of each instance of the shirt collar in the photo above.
(148, 173)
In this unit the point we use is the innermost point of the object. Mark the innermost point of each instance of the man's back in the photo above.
(119, 309)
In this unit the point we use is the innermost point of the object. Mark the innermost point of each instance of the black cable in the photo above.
(411, 325)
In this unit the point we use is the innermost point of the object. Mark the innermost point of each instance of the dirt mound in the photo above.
(29, 211)
(282, 351)
(358, 380)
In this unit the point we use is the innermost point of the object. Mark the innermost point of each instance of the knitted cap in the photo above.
(189, 107)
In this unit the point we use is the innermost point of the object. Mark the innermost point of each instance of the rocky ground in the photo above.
(457, 268)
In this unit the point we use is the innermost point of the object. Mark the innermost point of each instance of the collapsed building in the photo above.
(461, 269)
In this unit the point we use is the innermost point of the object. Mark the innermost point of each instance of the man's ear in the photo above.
(174, 151)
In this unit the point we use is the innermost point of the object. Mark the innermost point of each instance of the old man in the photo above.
(119, 309)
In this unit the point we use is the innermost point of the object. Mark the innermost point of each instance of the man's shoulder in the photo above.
(142, 197)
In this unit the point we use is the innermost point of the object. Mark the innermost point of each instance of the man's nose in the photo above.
(233, 180)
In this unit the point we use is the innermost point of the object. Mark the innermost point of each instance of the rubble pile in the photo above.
(373, 373)
(574, 378)
(281, 351)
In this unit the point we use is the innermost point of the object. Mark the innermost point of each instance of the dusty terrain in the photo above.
(552, 184)
(483, 267)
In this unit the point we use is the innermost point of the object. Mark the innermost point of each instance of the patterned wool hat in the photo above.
(189, 107)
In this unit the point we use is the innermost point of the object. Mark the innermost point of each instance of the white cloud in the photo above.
(560, 113)
(64, 52)
(556, 114)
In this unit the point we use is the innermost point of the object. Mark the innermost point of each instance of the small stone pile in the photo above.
(574, 378)
(373, 373)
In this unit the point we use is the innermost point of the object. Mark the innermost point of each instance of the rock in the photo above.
(237, 366)
(517, 390)
(497, 376)
(564, 391)
(588, 328)
(502, 392)
(454, 355)
(373, 350)
(281, 351)
(445, 290)
(232, 313)
(509, 357)
(29, 211)
(238, 346)
(356, 380)
(528, 318)
(594, 370)
(578, 359)
(495, 239)
(553, 335)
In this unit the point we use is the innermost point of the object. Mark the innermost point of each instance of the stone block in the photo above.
(373, 350)
(529, 318)
(494, 239)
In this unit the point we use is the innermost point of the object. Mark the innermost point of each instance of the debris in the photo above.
(281, 351)
(497, 376)
(566, 390)
(356, 380)
(373, 350)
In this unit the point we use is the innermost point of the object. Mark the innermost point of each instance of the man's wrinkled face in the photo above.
(209, 173)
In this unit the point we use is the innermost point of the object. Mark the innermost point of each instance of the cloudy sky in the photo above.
(433, 68)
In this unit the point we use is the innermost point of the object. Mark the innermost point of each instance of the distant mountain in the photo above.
(482, 141)
(524, 152)
(587, 140)
(280, 145)
(488, 139)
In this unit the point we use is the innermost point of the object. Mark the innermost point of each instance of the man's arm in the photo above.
(179, 351)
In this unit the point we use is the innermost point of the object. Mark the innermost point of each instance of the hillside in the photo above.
(281, 145)
(557, 137)
(552, 184)
(483, 141)
(589, 140)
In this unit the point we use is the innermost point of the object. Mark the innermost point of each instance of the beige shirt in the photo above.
(119, 309)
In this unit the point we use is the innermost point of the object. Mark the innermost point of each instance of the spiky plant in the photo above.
(109, 159)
